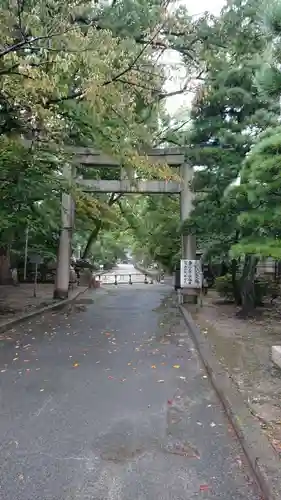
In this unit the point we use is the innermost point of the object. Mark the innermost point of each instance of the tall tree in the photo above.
(67, 75)
(260, 176)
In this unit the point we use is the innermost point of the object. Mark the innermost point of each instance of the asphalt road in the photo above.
(108, 400)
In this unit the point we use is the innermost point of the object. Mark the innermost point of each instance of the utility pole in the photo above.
(64, 251)
(188, 243)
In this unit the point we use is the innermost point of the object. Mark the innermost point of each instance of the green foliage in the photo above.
(260, 180)
(234, 146)
(77, 73)
(259, 219)
(84, 73)
(224, 286)
(262, 288)
(27, 177)
(108, 248)
(154, 223)
(228, 115)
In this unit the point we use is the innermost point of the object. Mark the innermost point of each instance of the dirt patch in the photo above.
(18, 300)
(243, 347)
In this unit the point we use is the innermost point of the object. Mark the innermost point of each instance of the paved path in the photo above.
(112, 403)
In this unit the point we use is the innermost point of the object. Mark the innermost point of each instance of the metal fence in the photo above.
(124, 279)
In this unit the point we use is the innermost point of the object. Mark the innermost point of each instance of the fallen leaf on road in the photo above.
(204, 487)
(153, 366)
(176, 366)
(75, 365)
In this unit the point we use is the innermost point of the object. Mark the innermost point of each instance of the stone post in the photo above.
(64, 251)
(188, 243)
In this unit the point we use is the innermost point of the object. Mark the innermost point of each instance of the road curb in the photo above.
(260, 454)
(24, 317)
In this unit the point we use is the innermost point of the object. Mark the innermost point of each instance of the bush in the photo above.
(263, 288)
(224, 286)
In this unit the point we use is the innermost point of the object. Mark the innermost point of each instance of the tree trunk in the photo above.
(248, 285)
(235, 283)
(5, 273)
(93, 236)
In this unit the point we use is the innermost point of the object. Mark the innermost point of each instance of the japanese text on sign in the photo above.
(191, 273)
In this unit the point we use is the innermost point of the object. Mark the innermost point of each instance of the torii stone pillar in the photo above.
(186, 199)
(64, 251)
(188, 242)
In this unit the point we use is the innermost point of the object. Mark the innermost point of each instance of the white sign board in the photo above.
(191, 273)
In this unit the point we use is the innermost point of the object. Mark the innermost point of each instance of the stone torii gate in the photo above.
(90, 158)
